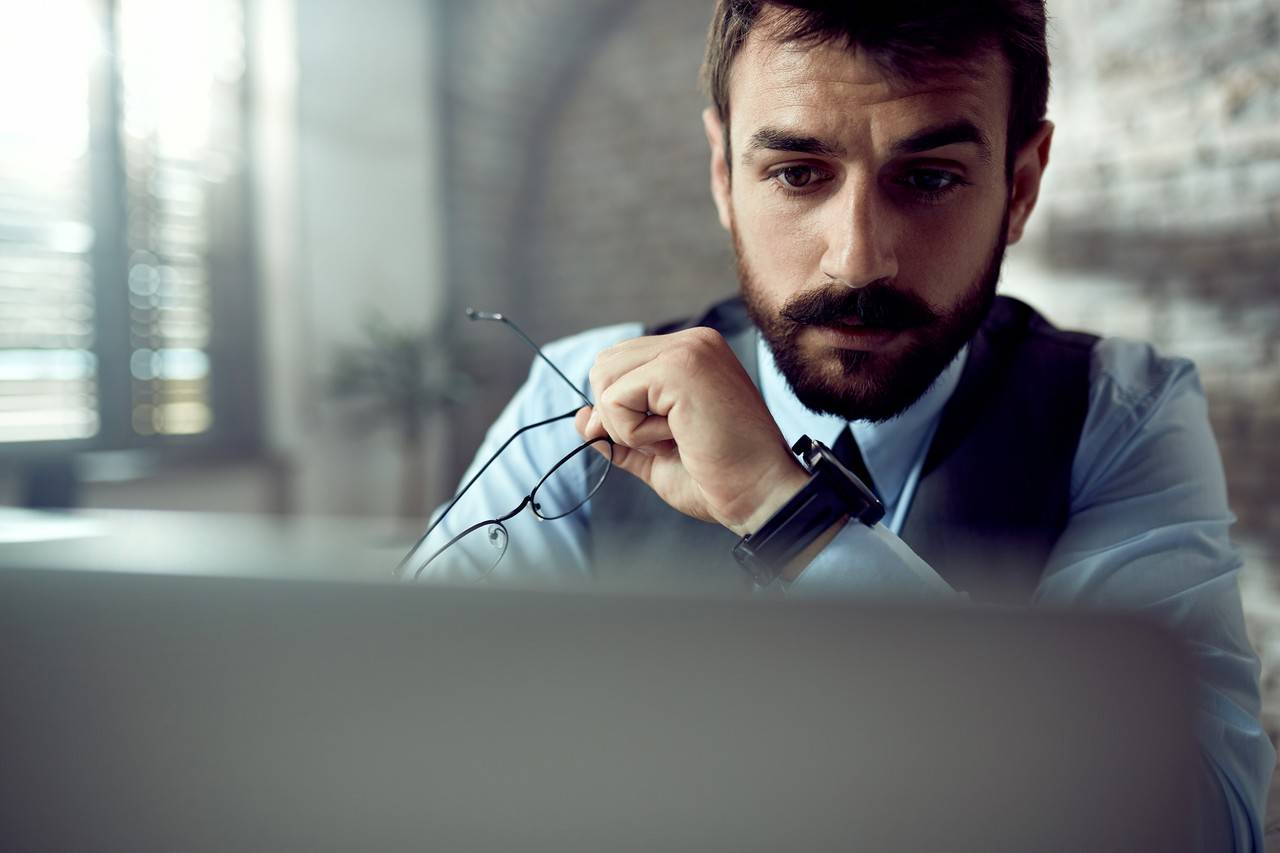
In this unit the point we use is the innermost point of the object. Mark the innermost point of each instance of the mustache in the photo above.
(879, 305)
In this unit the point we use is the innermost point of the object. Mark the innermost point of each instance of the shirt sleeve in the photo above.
(535, 551)
(886, 568)
(1148, 533)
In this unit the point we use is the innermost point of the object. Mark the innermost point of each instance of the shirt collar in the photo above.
(890, 449)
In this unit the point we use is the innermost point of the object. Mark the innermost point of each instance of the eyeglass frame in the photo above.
(527, 500)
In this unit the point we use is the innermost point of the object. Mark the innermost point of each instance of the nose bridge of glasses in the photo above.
(494, 533)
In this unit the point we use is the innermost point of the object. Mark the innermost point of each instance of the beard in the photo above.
(872, 385)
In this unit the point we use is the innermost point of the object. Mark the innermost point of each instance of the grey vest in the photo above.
(993, 497)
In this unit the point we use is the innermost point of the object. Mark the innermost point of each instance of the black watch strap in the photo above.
(832, 493)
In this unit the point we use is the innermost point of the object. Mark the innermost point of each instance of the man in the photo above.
(871, 165)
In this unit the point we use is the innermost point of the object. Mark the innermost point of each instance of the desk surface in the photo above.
(200, 543)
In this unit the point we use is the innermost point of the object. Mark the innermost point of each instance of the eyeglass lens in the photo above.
(563, 491)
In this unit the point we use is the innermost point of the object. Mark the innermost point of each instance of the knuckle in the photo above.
(706, 337)
(698, 347)
(617, 420)
(596, 376)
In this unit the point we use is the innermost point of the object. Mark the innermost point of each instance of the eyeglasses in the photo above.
(559, 493)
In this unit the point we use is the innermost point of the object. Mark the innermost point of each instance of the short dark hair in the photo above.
(909, 39)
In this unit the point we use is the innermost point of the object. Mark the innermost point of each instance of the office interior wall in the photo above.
(545, 158)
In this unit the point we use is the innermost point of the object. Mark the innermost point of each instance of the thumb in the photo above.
(581, 421)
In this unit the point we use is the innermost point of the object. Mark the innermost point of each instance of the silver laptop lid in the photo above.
(163, 713)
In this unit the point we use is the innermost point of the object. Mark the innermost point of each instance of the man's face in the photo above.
(869, 216)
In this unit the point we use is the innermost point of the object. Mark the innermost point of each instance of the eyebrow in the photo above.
(774, 139)
(951, 133)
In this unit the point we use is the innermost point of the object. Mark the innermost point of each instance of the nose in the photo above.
(859, 244)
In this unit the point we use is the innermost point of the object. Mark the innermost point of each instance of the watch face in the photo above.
(831, 493)
(857, 496)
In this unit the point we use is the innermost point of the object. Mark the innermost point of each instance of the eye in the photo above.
(932, 184)
(798, 178)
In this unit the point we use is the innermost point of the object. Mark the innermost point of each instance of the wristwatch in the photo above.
(833, 492)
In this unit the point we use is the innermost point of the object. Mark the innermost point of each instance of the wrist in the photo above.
(796, 567)
(788, 539)
(783, 486)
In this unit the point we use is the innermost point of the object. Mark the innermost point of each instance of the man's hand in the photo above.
(687, 420)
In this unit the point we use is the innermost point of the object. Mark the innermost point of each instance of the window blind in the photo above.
(179, 70)
(48, 387)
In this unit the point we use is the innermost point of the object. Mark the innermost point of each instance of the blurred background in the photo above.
(237, 236)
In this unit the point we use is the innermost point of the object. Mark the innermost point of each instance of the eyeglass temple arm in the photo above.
(439, 518)
(473, 314)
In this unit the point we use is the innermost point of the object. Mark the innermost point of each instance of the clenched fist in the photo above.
(687, 420)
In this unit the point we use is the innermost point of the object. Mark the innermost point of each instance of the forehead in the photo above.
(829, 90)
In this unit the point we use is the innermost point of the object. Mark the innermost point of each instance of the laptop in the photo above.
(145, 712)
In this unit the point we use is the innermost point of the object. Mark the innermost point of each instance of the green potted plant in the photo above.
(405, 377)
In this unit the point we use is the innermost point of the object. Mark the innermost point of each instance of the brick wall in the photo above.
(1165, 182)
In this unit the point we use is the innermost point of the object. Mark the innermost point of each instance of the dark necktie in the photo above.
(846, 450)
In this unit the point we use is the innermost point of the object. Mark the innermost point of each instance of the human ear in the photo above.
(1024, 185)
(719, 166)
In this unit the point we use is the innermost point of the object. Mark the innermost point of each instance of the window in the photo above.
(126, 304)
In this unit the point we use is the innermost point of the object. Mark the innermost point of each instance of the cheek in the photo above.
(944, 252)
(949, 272)
(782, 249)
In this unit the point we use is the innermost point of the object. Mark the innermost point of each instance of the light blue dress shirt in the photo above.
(1147, 532)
